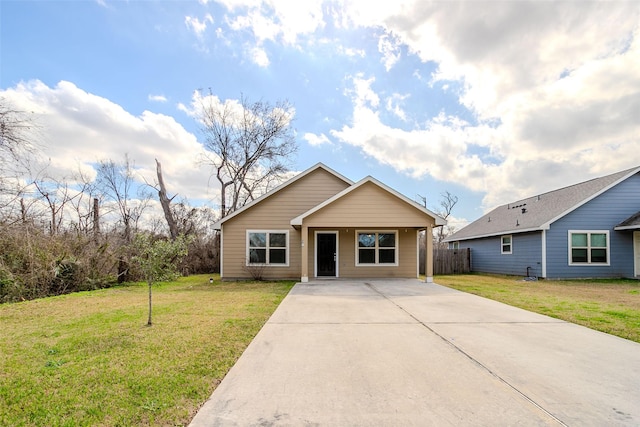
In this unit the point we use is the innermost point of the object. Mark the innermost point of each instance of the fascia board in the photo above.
(500, 233)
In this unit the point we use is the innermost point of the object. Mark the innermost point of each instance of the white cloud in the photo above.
(198, 26)
(362, 92)
(82, 128)
(389, 47)
(393, 105)
(280, 21)
(258, 56)
(316, 140)
(554, 87)
(157, 98)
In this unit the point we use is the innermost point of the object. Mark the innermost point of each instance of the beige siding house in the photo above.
(321, 225)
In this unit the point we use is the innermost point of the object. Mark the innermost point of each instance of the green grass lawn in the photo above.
(611, 306)
(89, 359)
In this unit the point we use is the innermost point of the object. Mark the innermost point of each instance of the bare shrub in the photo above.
(255, 270)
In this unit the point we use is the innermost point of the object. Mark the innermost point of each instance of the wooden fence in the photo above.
(451, 261)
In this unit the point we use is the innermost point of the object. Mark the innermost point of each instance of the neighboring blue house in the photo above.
(587, 230)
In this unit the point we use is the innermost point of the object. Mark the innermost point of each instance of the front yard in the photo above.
(611, 306)
(88, 359)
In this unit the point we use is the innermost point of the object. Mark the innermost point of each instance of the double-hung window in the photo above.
(588, 247)
(268, 247)
(377, 248)
(506, 243)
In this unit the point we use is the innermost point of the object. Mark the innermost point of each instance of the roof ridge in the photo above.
(621, 173)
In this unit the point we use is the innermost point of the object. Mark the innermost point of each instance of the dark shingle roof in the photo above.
(537, 212)
(631, 223)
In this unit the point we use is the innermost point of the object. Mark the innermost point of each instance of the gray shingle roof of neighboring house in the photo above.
(538, 212)
(631, 223)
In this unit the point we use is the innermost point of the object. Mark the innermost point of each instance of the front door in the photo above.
(636, 252)
(326, 254)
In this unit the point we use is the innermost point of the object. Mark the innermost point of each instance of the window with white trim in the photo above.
(588, 247)
(376, 248)
(506, 243)
(265, 247)
(454, 245)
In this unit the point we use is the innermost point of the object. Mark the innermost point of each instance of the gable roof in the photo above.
(218, 224)
(369, 179)
(631, 223)
(539, 212)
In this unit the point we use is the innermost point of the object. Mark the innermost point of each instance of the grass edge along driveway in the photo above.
(606, 305)
(89, 359)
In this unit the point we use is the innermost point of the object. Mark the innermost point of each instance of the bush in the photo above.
(34, 264)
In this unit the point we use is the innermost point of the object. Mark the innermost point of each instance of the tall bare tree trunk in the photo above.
(23, 211)
(96, 218)
(165, 201)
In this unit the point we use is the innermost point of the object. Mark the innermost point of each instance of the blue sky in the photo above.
(491, 101)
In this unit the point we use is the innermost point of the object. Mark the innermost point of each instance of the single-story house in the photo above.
(587, 230)
(320, 224)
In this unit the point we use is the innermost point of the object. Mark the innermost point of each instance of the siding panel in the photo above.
(526, 255)
(275, 213)
(602, 213)
(369, 206)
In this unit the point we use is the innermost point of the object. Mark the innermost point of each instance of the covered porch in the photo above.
(366, 231)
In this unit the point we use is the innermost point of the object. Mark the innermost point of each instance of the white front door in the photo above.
(636, 252)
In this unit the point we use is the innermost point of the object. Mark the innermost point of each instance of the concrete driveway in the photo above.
(406, 353)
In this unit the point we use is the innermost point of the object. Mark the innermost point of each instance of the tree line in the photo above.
(79, 233)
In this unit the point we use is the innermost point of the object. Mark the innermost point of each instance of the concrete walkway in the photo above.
(406, 353)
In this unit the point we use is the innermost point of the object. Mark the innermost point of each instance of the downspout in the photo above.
(544, 254)
(221, 254)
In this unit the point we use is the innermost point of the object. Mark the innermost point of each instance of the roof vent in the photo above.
(524, 210)
(517, 223)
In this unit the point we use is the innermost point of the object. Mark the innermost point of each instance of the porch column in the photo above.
(428, 254)
(304, 250)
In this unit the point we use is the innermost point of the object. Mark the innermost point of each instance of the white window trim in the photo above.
(377, 264)
(267, 264)
(588, 263)
(502, 251)
(455, 245)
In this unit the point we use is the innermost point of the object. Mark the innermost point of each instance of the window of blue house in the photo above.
(506, 243)
(588, 247)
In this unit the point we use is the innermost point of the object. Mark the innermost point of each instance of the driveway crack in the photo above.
(469, 356)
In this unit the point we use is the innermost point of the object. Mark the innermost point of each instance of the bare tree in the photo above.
(165, 201)
(250, 144)
(55, 195)
(447, 202)
(117, 181)
(14, 126)
(15, 143)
